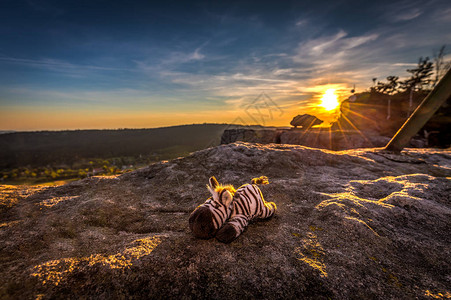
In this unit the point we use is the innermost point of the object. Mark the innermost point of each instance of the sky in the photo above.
(141, 64)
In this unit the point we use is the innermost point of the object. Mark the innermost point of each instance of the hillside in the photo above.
(67, 147)
(47, 147)
(359, 224)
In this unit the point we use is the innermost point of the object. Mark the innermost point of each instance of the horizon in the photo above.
(140, 128)
(96, 65)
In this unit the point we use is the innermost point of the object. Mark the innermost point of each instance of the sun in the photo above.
(329, 100)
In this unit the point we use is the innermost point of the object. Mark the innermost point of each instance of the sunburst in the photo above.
(329, 101)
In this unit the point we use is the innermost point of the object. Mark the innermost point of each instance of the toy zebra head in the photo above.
(209, 217)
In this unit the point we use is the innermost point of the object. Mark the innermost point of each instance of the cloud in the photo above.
(56, 65)
(301, 22)
(405, 64)
(196, 55)
(407, 15)
(443, 15)
(97, 97)
(290, 87)
(292, 61)
(182, 57)
(338, 57)
(326, 50)
(159, 66)
(179, 57)
(403, 11)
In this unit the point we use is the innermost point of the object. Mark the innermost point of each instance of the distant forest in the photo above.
(42, 148)
(45, 156)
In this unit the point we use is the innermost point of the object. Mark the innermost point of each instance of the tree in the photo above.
(441, 66)
(389, 87)
(420, 77)
(392, 84)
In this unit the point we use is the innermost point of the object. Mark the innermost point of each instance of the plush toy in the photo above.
(227, 212)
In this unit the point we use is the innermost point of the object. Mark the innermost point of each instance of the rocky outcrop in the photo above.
(385, 114)
(250, 135)
(333, 140)
(379, 112)
(352, 224)
(323, 138)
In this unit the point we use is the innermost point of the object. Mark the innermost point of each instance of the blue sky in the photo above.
(115, 64)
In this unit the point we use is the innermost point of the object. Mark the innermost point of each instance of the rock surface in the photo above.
(386, 114)
(359, 224)
(333, 140)
(323, 138)
(249, 135)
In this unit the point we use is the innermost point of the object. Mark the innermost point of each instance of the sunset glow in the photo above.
(150, 65)
(329, 100)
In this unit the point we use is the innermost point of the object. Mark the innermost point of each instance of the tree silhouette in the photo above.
(389, 87)
(441, 66)
(392, 84)
(420, 78)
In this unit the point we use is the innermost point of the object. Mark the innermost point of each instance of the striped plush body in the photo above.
(248, 205)
(228, 212)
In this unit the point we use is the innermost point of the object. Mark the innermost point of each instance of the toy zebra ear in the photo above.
(213, 182)
(226, 198)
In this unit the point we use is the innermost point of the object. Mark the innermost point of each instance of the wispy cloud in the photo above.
(56, 65)
(443, 15)
(405, 64)
(401, 11)
(182, 57)
(337, 58)
(301, 22)
(330, 50)
(407, 15)
(222, 62)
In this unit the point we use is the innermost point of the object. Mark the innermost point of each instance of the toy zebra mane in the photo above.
(220, 187)
(227, 187)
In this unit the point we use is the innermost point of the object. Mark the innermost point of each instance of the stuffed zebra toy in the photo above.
(227, 212)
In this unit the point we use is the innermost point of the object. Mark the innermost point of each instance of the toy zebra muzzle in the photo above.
(227, 213)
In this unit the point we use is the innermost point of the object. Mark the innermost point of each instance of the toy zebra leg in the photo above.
(232, 228)
(269, 207)
(267, 211)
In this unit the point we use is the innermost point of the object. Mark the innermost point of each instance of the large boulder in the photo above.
(385, 114)
(352, 224)
(305, 121)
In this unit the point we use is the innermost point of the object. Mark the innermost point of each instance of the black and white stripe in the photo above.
(228, 212)
(219, 211)
(249, 205)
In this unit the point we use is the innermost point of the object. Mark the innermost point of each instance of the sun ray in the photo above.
(342, 132)
(361, 116)
(358, 131)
